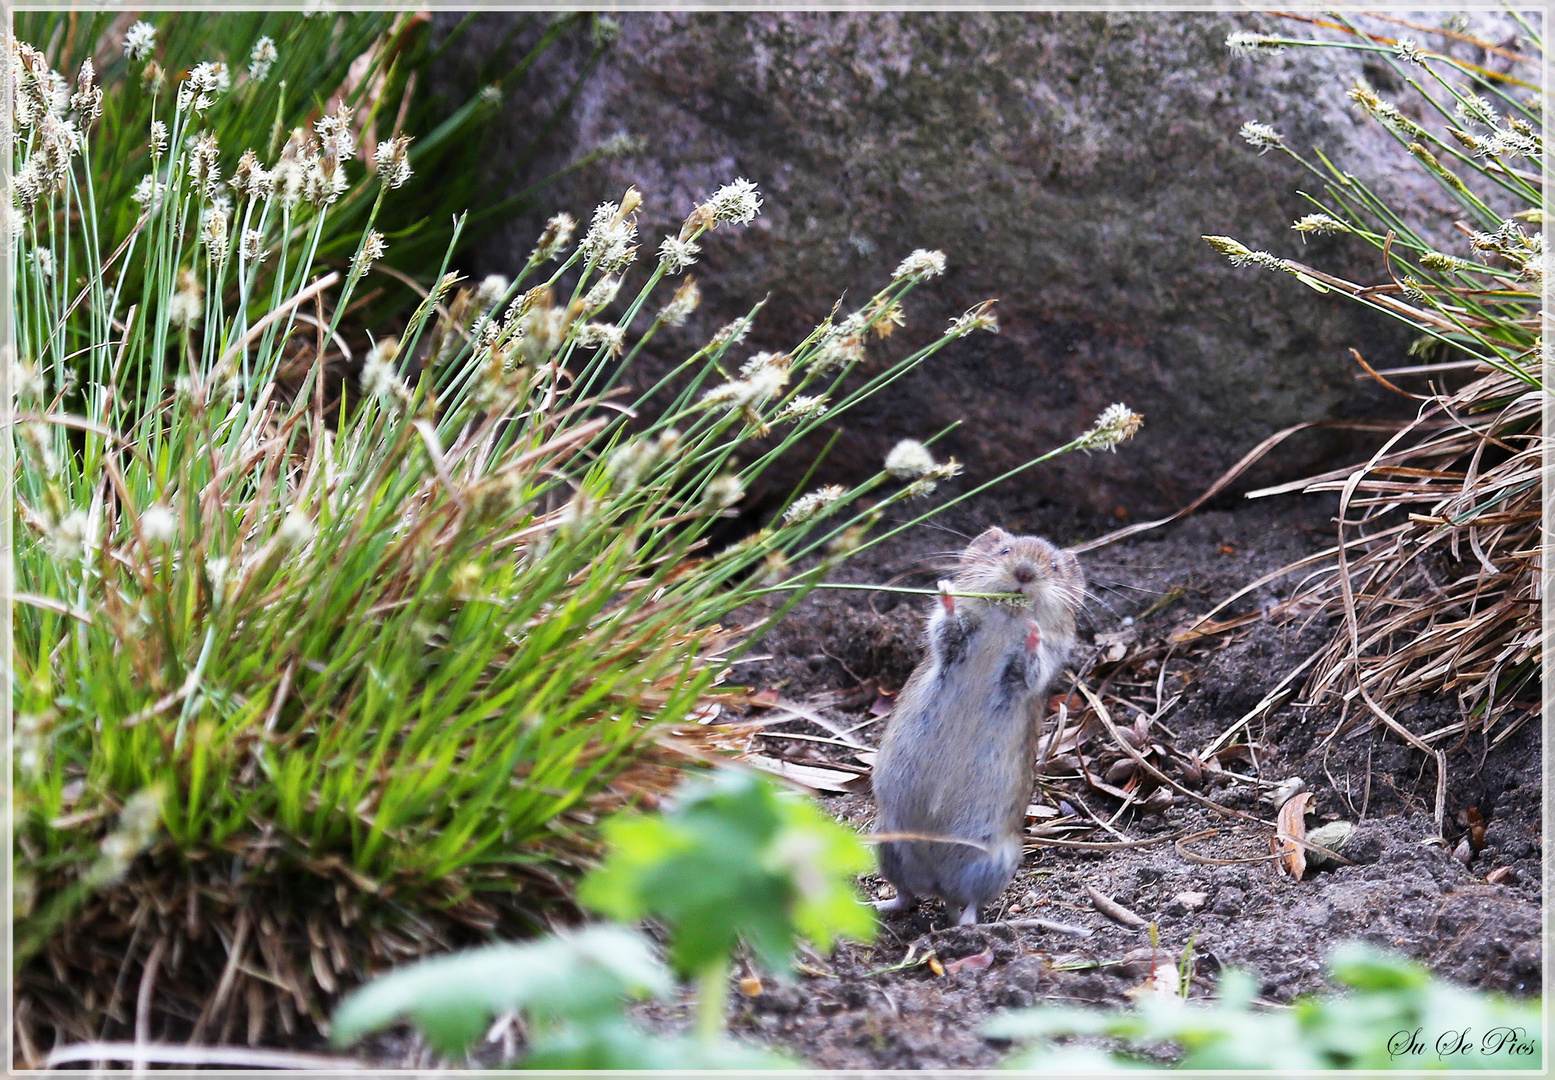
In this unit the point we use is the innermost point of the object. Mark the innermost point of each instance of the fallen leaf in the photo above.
(975, 962)
(1476, 829)
(750, 986)
(882, 706)
(814, 777)
(1501, 875)
(764, 699)
(1292, 825)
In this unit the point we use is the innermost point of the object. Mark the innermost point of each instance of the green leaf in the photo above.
(452, 999)
(619, 1045)
(733, 857)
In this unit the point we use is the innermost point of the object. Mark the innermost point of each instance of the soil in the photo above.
(843, 653)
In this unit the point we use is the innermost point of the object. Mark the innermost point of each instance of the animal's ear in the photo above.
(990, 538)
(1066, 563)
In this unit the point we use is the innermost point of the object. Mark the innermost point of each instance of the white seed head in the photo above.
(921, 264)
(909, 460)
(204, 165)
(70, 535)
(158, 524)
(601, 293)
(158, 138)
(621, 144)
(608, 243)
(555, 238)
(682, 304)
(1261, 136)
(149, 192)
(1320, 223)
(379, 376)
(253, 246)
(979, 318)
(802, 408)
(762, 361)
(1240, 255)
(732, 333)
(1409, 51)
(262, 59)
(334, 131)
(213, 232)
(1243, 43)
(813, 505)
(26, 382)
(722, 492)
(296, 529)
(676, 254)
(324, 182)
(373, 249)
(608, 336)
(392, 161)
(139, 41)
(1474, 109)
(87, 101)
(43, 259)
(1117, 423)
(738, 203)
(491, 290)
(187, 303)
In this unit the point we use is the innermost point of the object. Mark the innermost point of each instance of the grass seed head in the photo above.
(909, 460)
(682, 304)
(921, 265)
(262, 59)
(140, 39)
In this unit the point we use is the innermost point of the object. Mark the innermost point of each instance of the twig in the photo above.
(1114, 910)
(1043, 924)
(148, 981)
(163, 1054)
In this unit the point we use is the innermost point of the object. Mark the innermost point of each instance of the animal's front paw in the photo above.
(945, 599)
(1033, 635)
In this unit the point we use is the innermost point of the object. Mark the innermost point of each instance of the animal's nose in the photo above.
(1025, 575)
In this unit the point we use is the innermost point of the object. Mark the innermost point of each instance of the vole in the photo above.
(957, 757)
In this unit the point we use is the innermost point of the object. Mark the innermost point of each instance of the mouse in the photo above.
(958, 756)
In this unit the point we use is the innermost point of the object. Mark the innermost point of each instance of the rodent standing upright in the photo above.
(957, 757)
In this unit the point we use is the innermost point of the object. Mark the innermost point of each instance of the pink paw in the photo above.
(1033, 635)
(946, 599)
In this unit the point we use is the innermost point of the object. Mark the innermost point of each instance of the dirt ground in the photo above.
(906, 1002)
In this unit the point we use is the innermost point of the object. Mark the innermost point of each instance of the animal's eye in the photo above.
(1005, 550)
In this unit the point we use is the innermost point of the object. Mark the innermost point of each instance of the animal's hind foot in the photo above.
(902, 901)
(968, 916)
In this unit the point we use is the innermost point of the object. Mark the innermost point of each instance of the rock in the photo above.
(1185, 902)
(1066, 162)
(1228, 901)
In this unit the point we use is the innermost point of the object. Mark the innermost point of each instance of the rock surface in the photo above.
(1067, 164)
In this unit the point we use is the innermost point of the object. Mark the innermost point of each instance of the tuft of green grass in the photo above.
(337, 668)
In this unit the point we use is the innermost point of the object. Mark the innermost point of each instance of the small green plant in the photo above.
(732, 859)
(1395, 1016)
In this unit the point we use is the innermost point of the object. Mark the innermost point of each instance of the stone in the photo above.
(1067, 164)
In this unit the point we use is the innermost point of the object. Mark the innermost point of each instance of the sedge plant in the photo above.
(1436, 574)
(311, 677)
